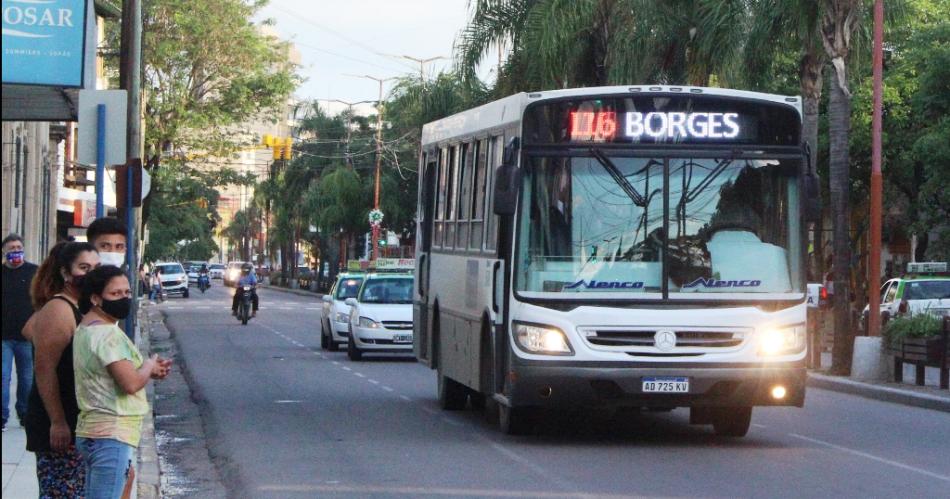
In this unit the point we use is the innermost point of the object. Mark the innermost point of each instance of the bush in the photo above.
(922, 325)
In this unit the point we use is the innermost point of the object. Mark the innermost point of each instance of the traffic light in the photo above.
(288, 145)
(277, 146)
(267, 140)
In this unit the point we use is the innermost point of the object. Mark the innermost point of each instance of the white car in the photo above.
(216, 271)
(381, 316)
(174, 279)
(335, 319)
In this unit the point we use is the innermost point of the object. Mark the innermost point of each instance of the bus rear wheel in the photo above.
(452, 395)
(732, 421)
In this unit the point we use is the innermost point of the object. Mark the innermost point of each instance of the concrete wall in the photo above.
(33, 215)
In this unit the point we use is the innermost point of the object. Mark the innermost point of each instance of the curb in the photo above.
(299, 292)
(876, 392)
(148, 477)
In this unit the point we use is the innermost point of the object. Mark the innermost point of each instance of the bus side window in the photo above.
(427, 196)
(466, 167)
(478, 197)
(497, 150)
(441, 190)
(452, 198)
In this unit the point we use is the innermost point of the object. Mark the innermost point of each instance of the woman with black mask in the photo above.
(51, 417)
(110, 383)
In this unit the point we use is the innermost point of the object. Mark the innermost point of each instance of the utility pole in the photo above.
(874, 256)
(379, 154)
(349, 119)
(422, 63)
(130, 79)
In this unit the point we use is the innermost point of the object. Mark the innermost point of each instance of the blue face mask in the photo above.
(15, 257)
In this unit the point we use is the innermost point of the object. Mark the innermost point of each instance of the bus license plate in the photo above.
(402, 338)
(666, 385)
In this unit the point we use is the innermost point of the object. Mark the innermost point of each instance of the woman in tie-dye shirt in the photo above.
(110, 383)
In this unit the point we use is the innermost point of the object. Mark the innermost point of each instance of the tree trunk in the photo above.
(811, 87)
(839, 126)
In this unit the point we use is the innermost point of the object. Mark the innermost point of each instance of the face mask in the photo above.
(15, 257)
(77, 281)
(112, 258)
(117, 308)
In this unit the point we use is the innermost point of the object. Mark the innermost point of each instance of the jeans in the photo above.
(156, 291)
(107, 464)
(22, 353)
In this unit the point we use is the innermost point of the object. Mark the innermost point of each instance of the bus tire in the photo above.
(732, 421)
(515, 420)
(452, 395)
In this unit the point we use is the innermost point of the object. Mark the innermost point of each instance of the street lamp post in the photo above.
(379, 155)
(349, 118)
(422, 63)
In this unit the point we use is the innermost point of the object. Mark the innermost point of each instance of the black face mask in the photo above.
(77, 282)
(117, 308)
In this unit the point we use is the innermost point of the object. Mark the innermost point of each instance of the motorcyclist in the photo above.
(203, 278)
(247, 279)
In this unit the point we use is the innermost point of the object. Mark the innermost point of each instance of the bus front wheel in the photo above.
(732, 421)
(515, 420)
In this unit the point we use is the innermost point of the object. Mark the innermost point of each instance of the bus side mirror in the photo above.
(507, 180)
(812, 198)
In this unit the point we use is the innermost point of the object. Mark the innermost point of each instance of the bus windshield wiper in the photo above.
(618, 177)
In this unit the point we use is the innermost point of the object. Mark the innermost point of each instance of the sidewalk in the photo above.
(19, 466)
(928, 396)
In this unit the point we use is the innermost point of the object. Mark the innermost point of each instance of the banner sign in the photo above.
(44, 42)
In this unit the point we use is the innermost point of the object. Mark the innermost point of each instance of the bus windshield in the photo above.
(597, 224)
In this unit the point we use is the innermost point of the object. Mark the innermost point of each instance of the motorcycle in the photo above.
(246, 304)
(204, 282)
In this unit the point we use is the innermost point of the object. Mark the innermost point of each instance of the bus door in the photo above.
(420, 310)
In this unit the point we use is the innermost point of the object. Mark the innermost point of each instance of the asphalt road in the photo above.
(285, 419)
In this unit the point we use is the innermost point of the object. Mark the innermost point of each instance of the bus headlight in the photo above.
(781, 341)
(545, 340)
(368, 323)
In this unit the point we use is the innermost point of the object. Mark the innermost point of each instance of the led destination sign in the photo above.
(602, 126)
(664, 119)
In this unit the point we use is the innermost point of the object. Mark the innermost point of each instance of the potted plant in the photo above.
(918, 337)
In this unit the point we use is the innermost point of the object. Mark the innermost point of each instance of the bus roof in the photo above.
(504, 112)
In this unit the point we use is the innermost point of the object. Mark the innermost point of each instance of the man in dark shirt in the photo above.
(16, 310)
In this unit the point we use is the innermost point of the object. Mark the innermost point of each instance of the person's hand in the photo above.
(60, 438)
(162, 368)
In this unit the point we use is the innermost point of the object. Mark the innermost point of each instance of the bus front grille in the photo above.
(646, 340)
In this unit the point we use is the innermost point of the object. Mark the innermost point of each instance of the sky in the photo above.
(340, 37)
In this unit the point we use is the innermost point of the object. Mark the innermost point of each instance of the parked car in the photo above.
(381, 315)
(335, 317)
(193, 274)
(174, 279)
(233, 273)
(216, 270)
(925, 289)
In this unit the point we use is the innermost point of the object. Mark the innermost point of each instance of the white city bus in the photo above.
(617, 246)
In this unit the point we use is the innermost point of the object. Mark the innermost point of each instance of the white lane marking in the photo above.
(430, 410)
(346, 368)
(287, 401)
(373, 381)
(202, 307)
(872, 457)
(388, 389)
(759, 425)
(407, 399)
(336, 363)
(359, 374)
(375, 490)
(527, 463)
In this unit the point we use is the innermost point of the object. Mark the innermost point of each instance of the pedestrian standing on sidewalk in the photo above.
(156, 281)
(110, 383)
(51, 419)
(110, 237)
(16, 310)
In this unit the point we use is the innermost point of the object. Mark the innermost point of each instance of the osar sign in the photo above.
(44, 42)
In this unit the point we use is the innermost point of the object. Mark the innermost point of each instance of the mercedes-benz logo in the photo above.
(665, 340)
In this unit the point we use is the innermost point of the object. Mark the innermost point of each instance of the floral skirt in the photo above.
(61, 474)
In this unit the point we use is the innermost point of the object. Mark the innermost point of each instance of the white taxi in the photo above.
(335, 320)
(381, 315)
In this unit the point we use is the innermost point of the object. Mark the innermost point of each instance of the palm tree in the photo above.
(839, 23)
